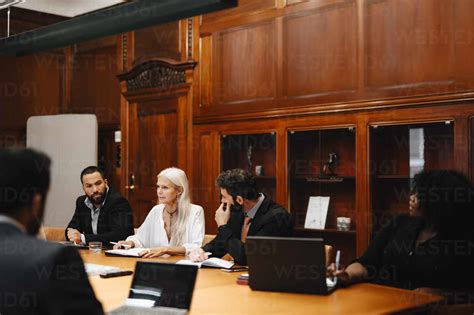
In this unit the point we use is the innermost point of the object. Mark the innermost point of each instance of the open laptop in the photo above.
(159, 288)
(287, 264)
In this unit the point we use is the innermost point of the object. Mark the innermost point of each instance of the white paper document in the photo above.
(133, 252)
(95, 270)
(317, 212)
(211, 262)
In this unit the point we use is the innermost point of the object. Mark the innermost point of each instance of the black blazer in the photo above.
(271, 219)
(42, 278)
(115, 219)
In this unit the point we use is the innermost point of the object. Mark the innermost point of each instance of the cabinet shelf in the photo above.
(392, 176)
(265, 177)
(317, 179)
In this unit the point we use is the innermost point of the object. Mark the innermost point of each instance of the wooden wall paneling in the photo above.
(204, 69)
(22, 20)
(161, 41)
(29, 86)
(206, 194)
(410, 46)
(462, 146)
(281, 166)
(363, 218)
(463, 42)
(125, 56)
(245, 8)
(181, 134)
(107, 156)
(320, 52)
(404, 55)
(94, 85)
(13, 138)
(244, 68)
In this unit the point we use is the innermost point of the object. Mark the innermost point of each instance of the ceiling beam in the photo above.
(118, 19)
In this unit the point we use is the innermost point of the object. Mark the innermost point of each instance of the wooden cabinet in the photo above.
(321, 163)
(255, 153)
(397, 153)
(378, 152)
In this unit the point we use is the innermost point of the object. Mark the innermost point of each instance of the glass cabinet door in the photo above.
(321, 175)
(255, 153)
(397, 153)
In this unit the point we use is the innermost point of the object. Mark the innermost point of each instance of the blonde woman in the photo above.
(175, 226)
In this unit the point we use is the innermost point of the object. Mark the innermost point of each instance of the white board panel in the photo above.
(71, 143)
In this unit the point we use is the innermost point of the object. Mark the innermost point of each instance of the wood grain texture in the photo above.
(214, 285)
(94, 85)
(29, 86)
(244, 68)
(322, 58)
(160, 41)
(335, 54)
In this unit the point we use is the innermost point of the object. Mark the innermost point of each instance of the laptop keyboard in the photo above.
(134, 310)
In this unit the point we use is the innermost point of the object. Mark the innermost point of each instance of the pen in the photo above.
(124, 245)
(338, 257)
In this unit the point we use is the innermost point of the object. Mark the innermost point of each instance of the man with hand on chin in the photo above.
(102, 214)
(243, 211)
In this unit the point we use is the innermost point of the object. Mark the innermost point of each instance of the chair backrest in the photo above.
(328, 249)
(54, 233)
(208, 238)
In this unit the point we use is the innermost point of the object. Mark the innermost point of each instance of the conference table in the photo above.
(217, 292)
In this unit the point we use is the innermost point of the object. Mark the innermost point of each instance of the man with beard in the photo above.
(37, 277)
(243, 211)
(102, 214)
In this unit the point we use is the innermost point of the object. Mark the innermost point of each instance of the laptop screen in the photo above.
(157, 284)
(287, 264)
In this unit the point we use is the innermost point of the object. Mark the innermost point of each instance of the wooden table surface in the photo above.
(216, 292)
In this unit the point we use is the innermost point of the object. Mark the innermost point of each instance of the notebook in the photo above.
(211, 262)
(159, 288)
(132, 252)
(287, 265)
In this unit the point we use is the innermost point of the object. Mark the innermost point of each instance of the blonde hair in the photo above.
(179, 179)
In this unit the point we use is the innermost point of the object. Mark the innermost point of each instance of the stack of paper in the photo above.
(211, 262)
(133, 252)
(95, 270)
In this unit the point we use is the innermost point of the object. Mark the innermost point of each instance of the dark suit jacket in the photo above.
(115, 219)
(271, 219)
(42, 278)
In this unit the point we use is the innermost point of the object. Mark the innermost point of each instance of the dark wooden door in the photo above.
(152, 147)
(155, 119)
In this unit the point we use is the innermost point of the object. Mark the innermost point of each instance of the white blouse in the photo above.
(152, 232)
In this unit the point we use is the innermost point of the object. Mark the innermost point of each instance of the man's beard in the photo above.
(97, 198)
(236, 207)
